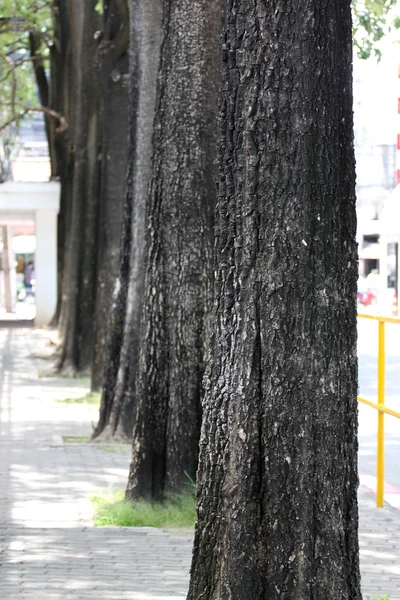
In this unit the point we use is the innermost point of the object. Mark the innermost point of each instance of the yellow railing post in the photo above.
(380, 457)
(380, 405)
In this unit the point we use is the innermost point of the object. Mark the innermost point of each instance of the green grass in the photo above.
(384, 597)
(111, 448)
(75, 439)
(114, 448)
(92, 398)
(179, 510)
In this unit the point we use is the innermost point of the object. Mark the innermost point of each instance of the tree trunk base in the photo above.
(68, 369)
(108, 435)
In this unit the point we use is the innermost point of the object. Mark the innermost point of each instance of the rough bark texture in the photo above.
(122, 349)
(179, 246)
(277, 480)
(76, 321)
(112, 61)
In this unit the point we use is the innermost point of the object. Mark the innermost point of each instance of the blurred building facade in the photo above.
(376, 128)
(29, 204)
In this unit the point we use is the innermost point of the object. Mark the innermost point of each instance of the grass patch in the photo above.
(384, 597)
(179, 510)
(114, 448)
(92, 398)
(75, 439)
(111, 448)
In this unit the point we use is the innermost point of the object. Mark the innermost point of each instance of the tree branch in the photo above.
(40, 73)
(63, 125)
(11, 63)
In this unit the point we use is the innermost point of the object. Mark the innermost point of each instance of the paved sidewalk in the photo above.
(48, 548)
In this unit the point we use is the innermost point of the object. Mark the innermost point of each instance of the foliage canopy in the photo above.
(20, 19)
(372, 20)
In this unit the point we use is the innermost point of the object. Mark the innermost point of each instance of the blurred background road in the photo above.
(367, 363)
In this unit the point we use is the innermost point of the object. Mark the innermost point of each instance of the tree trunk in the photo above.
(112, 59)
(60, 86)
(35, 44)
(277, 480)
(180, 236)
(53, 93)
(81, 244)
(120, 368)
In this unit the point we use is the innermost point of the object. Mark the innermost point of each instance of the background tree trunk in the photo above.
(60, 74)
(112, 60)
(180, 236)
(44, 89)
(53, 93)
(122, 349)
(277, 481)
(81, 244)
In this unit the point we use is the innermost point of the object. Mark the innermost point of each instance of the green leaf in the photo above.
(372, 20)
(99, 8)
(18, 88)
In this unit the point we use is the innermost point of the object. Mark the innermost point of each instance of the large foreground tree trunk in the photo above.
(112, 59)
(277, 480)
(180, 237)
(122, 349)
(78, 293)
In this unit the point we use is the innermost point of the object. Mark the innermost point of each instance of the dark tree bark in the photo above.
(78, 293)
(35, 44)
(122, 348)
(277, 479)
(53, 93)
(180, 236)
(112, 62)
(62, 159)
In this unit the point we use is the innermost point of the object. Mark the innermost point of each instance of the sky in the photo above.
(376, 90)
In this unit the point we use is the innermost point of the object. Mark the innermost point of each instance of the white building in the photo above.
(30, 199)
(376, 124)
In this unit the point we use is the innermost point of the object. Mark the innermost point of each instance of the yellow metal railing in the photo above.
(380, 406)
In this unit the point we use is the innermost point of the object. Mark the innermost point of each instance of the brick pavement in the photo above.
(48, 548)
